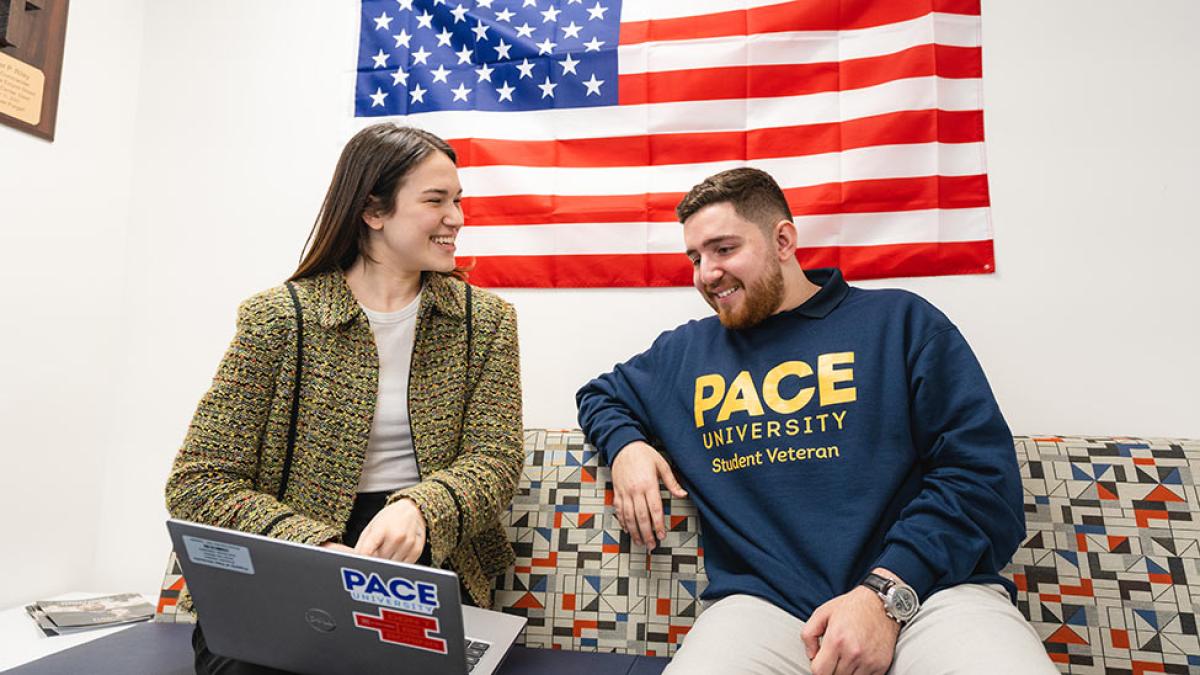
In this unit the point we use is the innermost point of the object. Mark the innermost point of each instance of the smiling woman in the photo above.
(394, 175)
(373, 401)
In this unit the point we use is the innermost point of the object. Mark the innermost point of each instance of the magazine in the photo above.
(44, 623)
(61, 616)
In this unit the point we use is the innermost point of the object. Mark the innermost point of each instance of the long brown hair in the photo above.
(368, 174)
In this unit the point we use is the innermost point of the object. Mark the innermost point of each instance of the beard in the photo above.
(762, 299)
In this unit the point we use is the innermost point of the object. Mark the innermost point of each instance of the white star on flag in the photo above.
(440, 74)
(480, 31)
(526, 69)
(593, 85)
(550, 15)
(506, 92)
(380, 59)
(460, 13)
(593, 46)
(464, 54)
(571, 30)
(545, 46)
(399, 77)
(425, 21)
(402, 38)
(596, 12)
(405, 4)
(460, 92)
(443, 37)
(383, 22)
(547, 88)
(568, 65)
(502, 49)
(417, 94)
(505, 15)
(421, 56)
(525, 30)
(484, 73)
(377, 97)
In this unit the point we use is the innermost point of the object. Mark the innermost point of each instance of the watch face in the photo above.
(904, 602)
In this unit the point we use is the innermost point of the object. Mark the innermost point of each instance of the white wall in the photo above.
(240, 123)
(244, 107)
(63, 217)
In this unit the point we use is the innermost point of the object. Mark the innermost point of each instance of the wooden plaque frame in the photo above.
(32, 36)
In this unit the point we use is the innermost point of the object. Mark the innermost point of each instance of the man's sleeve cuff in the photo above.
(910, 568)
(618, 439)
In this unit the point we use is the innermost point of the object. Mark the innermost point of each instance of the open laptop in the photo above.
(312, 610)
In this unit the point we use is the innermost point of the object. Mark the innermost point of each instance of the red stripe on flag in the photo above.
(737, 82)
(914, 126)
(674, 269)
(867, 196)
(802, 15)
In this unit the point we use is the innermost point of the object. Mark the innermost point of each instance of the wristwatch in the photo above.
(899, 600)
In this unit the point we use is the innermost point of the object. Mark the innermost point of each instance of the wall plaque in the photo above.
(32, 34)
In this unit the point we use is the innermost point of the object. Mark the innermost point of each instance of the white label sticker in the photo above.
(219, 554)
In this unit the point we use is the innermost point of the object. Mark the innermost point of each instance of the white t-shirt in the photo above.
(391, 464)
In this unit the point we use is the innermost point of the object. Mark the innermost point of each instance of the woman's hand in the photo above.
(397, 532)
(335, 546)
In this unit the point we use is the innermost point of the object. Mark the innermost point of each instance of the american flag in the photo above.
(579, 125)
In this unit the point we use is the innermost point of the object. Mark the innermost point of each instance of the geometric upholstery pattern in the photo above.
(577, 578)
(1109, 573)
(169, 594)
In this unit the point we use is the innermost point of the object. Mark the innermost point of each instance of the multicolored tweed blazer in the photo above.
(230, 466)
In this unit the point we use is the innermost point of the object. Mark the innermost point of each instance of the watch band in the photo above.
(878, 583)
(900, 602)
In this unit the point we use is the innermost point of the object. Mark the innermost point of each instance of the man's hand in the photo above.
(851, 634)
(635, 476)
(397, 532)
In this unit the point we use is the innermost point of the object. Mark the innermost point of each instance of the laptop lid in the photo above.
(312, 610)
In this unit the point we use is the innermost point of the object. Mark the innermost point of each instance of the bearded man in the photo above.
(856, 483)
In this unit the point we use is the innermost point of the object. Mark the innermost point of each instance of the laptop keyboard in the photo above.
(475, 650)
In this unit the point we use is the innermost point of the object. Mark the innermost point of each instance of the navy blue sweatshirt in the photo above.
(855, 431)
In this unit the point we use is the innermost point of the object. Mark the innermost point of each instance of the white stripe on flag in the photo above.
(846, 229)
(917, 93)
(644, 10)
(954, 30)
(887, 161)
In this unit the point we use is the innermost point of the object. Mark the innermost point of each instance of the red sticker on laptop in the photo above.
(402, 628)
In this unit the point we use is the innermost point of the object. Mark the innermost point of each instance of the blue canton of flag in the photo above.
(431, 55)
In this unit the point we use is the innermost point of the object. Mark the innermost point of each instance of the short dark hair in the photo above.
(754, 195)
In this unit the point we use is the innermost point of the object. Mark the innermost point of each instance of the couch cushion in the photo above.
(578, 579)
(1109, 573)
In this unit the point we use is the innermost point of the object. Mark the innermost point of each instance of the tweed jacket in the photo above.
(466, 423)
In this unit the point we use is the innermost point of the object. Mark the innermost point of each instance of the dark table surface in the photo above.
(166, 649)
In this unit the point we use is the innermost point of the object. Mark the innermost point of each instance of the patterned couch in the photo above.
(1109, 573)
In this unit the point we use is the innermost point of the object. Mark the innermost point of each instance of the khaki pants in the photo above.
(966, 629)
